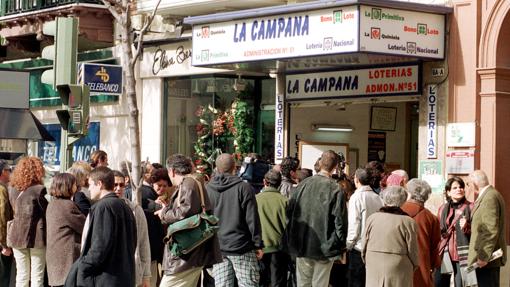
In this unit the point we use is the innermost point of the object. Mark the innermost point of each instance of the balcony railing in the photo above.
(10, 7)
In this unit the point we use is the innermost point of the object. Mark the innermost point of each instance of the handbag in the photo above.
(187, 234)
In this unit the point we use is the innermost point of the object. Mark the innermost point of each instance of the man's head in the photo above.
(178, 165)
(5, 172)
(119, 185)
(478, 180)
(225, 163)
(303, 173)
(329, 161)
(101, 181)
(289, 167)
(403, 174)
(273, 179)
(419, 190)
(361, 177)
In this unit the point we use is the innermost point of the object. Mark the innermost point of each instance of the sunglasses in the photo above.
(119, 184)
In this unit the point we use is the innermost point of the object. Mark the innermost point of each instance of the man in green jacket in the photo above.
(271, 206)
(487, 230)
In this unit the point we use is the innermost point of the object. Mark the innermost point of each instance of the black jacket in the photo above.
(235, 205)
(154, 226)
(317, 219)
(108, 257)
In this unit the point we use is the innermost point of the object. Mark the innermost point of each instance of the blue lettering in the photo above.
(288, 28)
(305, 27)
(253, 27)
(271, 29)
(242, 33)
(261, 31)
(281, 26)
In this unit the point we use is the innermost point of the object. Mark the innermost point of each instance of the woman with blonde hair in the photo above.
(81, 197)
(65, 225)
(27, 232)
(98, 158)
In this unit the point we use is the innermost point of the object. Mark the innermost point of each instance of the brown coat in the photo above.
(29, 224)
(64, 225)
(5, 214)
(429, 236)
(206, 254)
(390, 250)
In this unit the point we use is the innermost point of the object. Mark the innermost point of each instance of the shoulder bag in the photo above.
(187, 234)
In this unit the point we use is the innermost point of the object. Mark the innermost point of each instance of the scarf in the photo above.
(393, 210)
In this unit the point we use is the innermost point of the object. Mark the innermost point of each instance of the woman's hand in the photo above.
(462, 221)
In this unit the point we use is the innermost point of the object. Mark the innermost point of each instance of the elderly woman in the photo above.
(429, 233)
(454, 220)
(390, 249)
(27, 232)
(65, 226)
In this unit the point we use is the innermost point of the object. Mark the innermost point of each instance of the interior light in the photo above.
(331, 128)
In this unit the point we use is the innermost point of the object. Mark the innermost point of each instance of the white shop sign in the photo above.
(279, 133)
(15, 87)
(460, 134)
(308, 33)
(402, 32)
(460, 161)
(431, 122)
(399, 80)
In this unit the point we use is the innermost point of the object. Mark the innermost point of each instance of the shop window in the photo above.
(210, 115)
(43, 95)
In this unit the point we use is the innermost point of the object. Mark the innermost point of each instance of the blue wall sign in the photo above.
(49, 152)
(102, 79)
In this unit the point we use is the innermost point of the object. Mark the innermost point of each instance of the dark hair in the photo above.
(179, 163)
(96, 157)
(375, 171)
(157, 165)
(62, 185)
(289, 164)
(304, 173)
(105, 175)
(117, 173)
(4, 166)
(329, 160)
(449, 183)
(125, 167)
(160, 174)
(362, 175)
(273, 178)
(316, 165)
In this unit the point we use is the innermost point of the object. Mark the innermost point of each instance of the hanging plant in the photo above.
(240, 122)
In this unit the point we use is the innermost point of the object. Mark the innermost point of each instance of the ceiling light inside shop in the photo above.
(331, 128)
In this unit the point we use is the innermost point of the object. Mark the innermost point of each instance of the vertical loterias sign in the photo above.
(278, 132)
(431, 122)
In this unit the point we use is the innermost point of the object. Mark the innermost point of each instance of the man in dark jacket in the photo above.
(240, 234)
(186, 202)
(317, 224)
(288, 167)
(108, 251)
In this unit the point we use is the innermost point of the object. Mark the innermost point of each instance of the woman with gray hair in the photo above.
(429, 232)
(81, 198)
(390, 248)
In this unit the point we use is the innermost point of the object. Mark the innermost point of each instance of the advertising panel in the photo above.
(14, 87)
(307, 33)
(460, 161)
(102, 79)
(393, 31)
(431, 122)
(401, 80)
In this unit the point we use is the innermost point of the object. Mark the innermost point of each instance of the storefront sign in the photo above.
(101, 79)
(377, 146)
(393, 31)
(278, 133)
(49, 152)
(431, 122)
(401, 80)
(171, 60)
(460, 161)
(15, 87)
(301, 34)
(431, 171)
(460, 134)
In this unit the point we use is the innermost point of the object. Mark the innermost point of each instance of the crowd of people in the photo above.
(278, 226)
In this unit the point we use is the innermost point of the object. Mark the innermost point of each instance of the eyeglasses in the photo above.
(119, 184)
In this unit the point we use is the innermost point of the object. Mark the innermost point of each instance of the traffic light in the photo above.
(75, 117)
(63, 52)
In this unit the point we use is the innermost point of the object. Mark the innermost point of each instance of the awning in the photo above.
(21, 124)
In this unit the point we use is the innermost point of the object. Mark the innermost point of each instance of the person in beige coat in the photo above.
(390, 246)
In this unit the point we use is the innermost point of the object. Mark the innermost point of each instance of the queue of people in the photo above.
(293, 229)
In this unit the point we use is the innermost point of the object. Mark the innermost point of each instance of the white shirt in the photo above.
(363, 203)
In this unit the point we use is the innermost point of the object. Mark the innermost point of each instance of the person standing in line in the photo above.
(143, 252)
(185, 271)
(98, 158)
(455, 222)
(81, 172)
(429, 233)
(363, 203)
(6, 214)
(390, 247)
(487, 230)
(317, 224)
(64, 229)
(271, 207)
(289, 166)
(108, 247)
(27, 235)
(234, 203)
